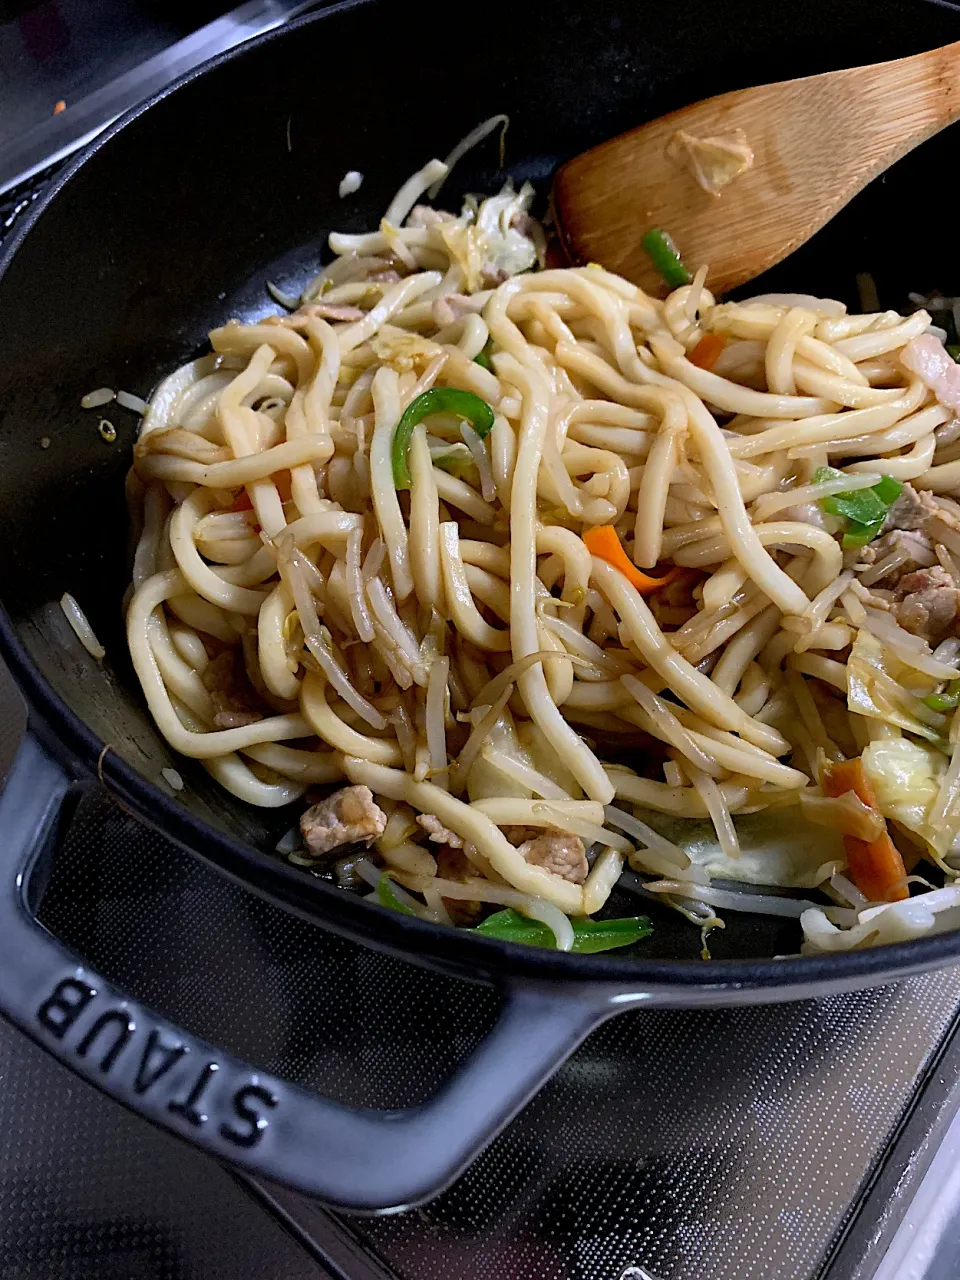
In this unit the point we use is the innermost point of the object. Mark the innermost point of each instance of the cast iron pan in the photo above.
(171, 224)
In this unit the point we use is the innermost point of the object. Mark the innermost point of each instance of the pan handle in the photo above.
(355, 1158)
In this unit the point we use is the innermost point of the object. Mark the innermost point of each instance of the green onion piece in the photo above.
(945, 701)
(387, 898)
(589, 936)
(953, 351)
(664, 255)
(437, 400)
(483, 357)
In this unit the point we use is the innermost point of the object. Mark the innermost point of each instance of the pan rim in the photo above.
(454, 951)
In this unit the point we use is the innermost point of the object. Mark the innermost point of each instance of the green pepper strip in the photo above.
(953, 351)
(387, 898)
(945, 701)
(482, 358)
(860, 534)
(864, 509)
(437, 400)
(665, 257)
(589, 936)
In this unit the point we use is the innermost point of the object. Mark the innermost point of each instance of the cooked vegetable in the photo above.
(464, 404)
(387, 898)
(603, 541)
(876, 867)
(589, 936)
(453, 457)
(707, 351)
(664, 255)
(482, 358)
(860, 534)
(873, 669)
(906, 778)
(946, 700)
(864, 509)
(889, 922)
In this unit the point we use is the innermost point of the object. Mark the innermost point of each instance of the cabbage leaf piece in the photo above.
(778, 847)
(934, 912)
(906, 777)
(869, 661)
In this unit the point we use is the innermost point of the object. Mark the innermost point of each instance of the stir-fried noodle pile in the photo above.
(459, 534)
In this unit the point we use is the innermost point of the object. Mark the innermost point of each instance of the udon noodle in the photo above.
(469, 646)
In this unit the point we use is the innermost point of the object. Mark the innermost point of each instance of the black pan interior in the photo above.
(177, 221)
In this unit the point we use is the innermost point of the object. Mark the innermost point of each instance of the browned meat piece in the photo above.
(437, 832)
(928, 603)
(453, 864)
(912, 549)
(346, 817)
(911, 510)
(561, 854)
(491, 276)
(319, 310)
(234, 698)
(520, 835)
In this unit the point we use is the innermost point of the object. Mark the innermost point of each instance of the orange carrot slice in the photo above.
(707, 351)
(602, 541)
(876, 867)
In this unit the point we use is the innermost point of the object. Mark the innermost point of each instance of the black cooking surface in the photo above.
(61, 50)
(707, 1146)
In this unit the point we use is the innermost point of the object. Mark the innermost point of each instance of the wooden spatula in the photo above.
(816, 142)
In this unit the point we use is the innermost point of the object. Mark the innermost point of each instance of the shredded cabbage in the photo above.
(935, 912)
(404, 351)
(867, 698)
(776, 848)
(485, 780)
(508, 248)
(906, 778)
(484, 241)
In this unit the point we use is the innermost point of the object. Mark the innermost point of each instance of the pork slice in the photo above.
(911, 510)
(906, 549)
(928, 603)
(561, 854)
(437, 832)
(349, 816)
(235, 701)
(453, 864)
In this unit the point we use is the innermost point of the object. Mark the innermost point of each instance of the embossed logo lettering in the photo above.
(60, 1010)
(188, 1108)
(156, 1060)
(124, 1029)
(254, 1122)
(106, 1033)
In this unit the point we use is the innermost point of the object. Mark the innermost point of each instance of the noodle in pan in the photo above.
(541, 573)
